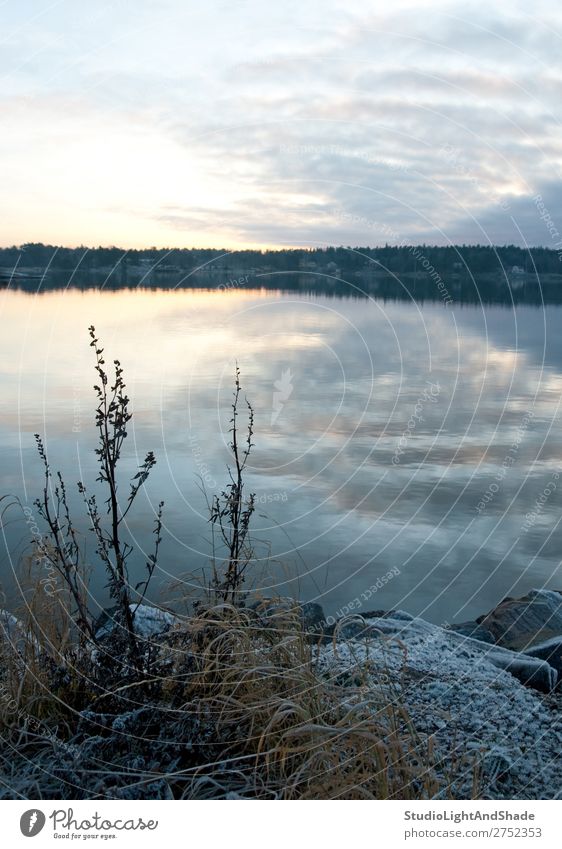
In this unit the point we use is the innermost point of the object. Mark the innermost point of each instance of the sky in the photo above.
(252, 124)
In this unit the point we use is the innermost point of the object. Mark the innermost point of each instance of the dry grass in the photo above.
(290, 732)
(43, 641)
(230, 704)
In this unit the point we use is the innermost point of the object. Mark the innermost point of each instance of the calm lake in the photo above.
(423, 441)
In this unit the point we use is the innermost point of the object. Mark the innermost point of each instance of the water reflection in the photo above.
(379, 427)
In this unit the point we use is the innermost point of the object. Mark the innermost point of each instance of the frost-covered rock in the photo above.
(14, 634)
(532, 671)
(148, 621)
(11, 629)
(464, 694)
(359, 626)
(551, 651)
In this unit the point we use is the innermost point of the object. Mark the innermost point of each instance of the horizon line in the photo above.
(492, 246)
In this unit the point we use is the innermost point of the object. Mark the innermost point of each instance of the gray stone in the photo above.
(310, 613)
(148, 621)
(313, 616)
(531, 671)
(521, 623)
(473, 630)
(551, 651)
(354, 628)
(361, 625)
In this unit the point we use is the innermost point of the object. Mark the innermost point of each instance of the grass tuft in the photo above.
(229, 705)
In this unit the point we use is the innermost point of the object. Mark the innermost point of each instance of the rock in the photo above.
(313, 616)
(14, 633)
(453, 690)
(361, 624)
(474, 630)
(551, 651)
(400, 615)
(531, 671)
(148, 621)
(311, 613)
(497, 765)
(524, 622)
(357, 627)
(353, 628)
(378, 614)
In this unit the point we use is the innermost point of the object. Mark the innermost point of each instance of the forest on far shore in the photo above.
(397, 259)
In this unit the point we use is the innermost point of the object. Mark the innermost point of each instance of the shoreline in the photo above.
(477, 718)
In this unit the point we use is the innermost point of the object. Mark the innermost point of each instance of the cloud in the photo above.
(290, 125)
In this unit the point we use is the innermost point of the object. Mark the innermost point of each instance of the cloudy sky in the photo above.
(249, 123)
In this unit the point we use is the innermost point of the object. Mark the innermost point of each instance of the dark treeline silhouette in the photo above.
(460, 273)
(398, 259)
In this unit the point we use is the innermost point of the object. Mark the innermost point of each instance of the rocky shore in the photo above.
(483, 696)
(489, 690)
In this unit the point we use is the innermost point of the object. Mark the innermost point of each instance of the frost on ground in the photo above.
(459, 692)
(478, 718)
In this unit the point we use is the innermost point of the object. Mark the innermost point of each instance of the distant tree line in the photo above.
(460, 259)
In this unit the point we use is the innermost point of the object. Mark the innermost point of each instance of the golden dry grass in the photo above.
(239, 695)
(294, 733)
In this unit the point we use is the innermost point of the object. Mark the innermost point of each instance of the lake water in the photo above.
(390, 437)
